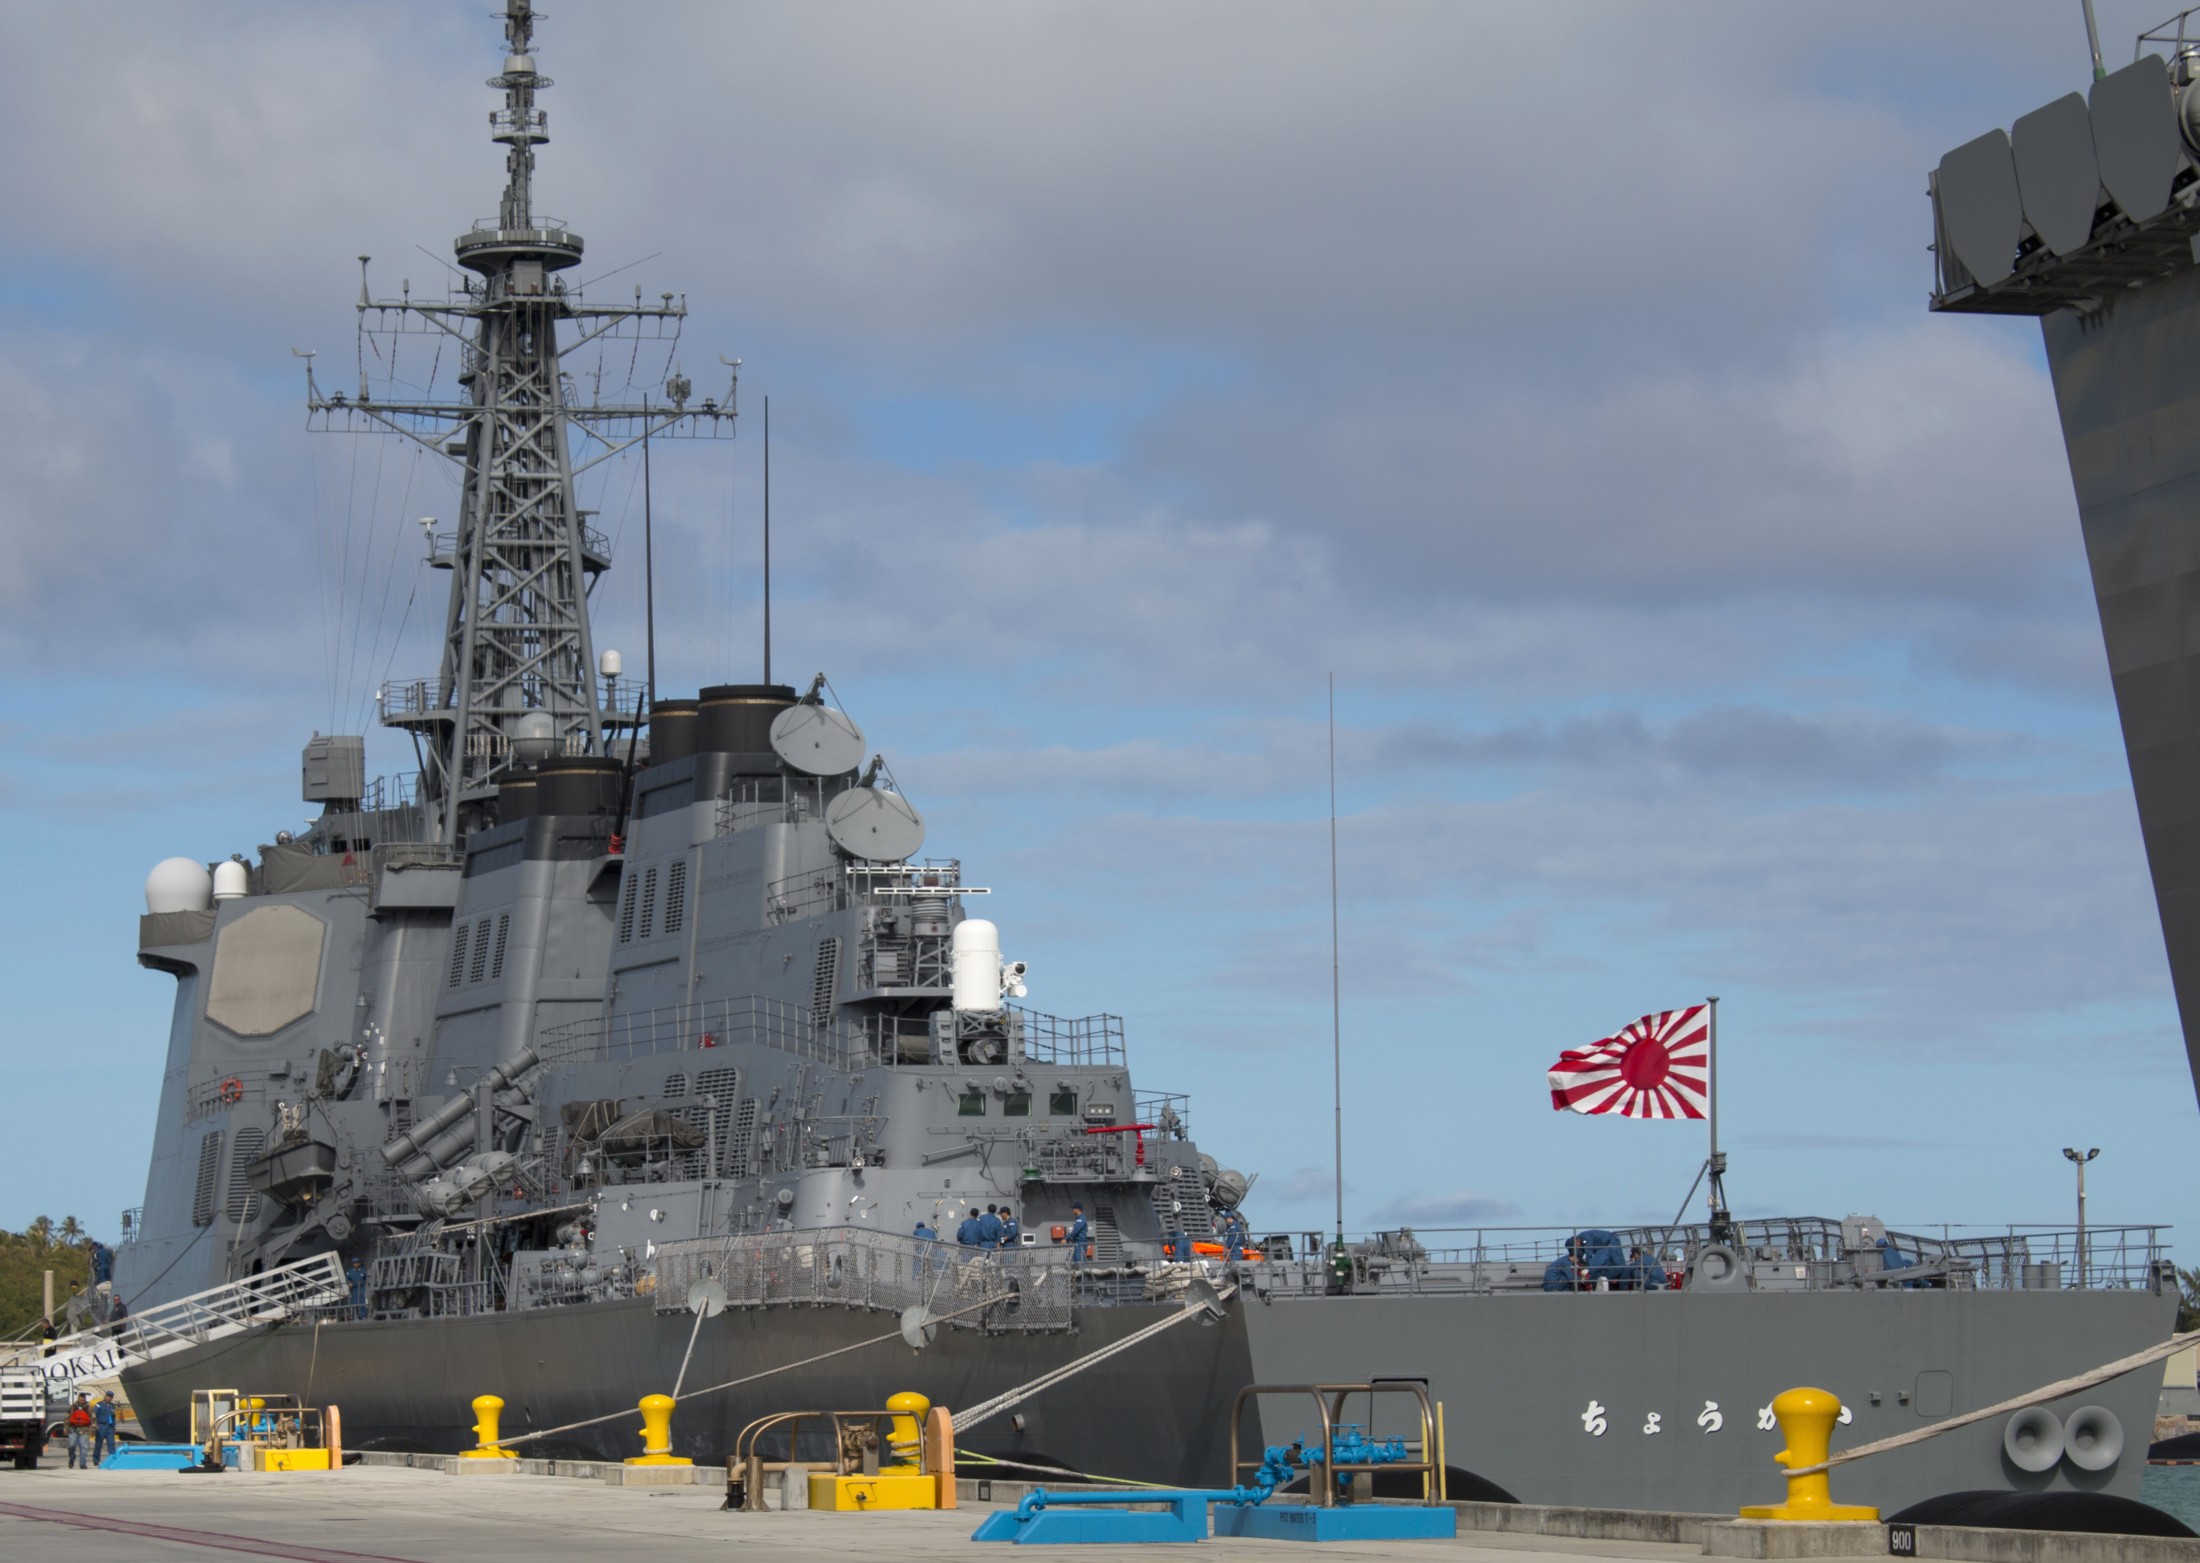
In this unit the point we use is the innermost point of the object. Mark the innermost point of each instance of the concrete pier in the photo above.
(391, 1511)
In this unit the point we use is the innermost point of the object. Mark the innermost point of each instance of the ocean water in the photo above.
(2174, 1489)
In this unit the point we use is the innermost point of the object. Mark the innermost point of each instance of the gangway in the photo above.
(170, 1327)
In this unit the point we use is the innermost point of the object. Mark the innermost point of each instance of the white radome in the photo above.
(178, 884)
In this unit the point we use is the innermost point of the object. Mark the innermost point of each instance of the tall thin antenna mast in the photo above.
(649, 574)
(2093, 39)
(1336, 986)
(767, 539)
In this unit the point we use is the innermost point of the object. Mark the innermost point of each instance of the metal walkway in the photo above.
(170, 1327)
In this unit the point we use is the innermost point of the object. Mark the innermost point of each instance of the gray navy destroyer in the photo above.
(626, 1045)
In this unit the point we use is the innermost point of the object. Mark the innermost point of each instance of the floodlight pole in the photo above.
(2079, 1159)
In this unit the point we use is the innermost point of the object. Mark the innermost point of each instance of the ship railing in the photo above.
(711, 1023)
(777, 800)
(220, 1311)
(856, 1267)
(421, 697)
(1058, 1041)
(1807, 1253)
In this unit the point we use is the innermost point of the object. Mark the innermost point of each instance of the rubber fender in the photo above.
(2093, 1440)
(2096, 1513)
(2033, 1439)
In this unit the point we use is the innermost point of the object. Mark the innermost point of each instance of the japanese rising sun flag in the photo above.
(1656, 1068)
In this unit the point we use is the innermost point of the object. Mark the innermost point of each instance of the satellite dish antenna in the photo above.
(707, 1297)
(917, 1327)
(868, 823)
(817, 740)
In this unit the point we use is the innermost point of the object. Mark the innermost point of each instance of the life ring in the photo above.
(232, 1090)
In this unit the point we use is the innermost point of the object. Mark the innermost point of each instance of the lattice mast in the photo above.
(517, 638)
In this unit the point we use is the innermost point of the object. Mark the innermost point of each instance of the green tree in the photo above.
(72, 1230)
(25, 1257)
(2188, 1299)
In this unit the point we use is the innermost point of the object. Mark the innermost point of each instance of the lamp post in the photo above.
(2079, 1159)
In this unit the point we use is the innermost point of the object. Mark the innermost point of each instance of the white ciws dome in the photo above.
(976, 958)
(231, 880)
(178, 884)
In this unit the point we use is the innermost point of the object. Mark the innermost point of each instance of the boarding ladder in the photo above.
(169, 1327)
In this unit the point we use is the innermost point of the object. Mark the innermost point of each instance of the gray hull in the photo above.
(1517, 1375)
(408, 1384)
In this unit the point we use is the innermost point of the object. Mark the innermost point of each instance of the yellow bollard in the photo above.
(657, 1433)
(487, 1408)
(905, 1432)
(1807, 1416)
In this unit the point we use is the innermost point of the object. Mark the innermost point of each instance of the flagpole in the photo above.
(1336, 989)
(1717, 1162)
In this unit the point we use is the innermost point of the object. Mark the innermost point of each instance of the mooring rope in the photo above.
(984, 1409)
(786, 1367)
(680, 1377)
(2037, 1397)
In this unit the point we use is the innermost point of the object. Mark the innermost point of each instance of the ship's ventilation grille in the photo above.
(496, 961)
(210, 1169)
(740, 1155)
(480, 966)
(244, 1150)
(626, 909)
(1107, 1237)
(458, 955)
(676, 1085)
(649, 904)
(676, 895)
(828, 977)
(721, 1086)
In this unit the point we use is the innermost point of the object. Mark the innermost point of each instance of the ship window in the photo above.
(244, 1150)
(676, 895)
(649, 904)
(496, 960)
(210, 1168)
(458, 955)
(480, 966)
(972, 1105)
(1018, 1105)
(1062, 1102)
(626, 911)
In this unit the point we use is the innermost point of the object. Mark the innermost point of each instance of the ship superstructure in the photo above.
(626, 1006)
(570, 958)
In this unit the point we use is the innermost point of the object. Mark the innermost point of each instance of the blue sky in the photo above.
(1706, 615)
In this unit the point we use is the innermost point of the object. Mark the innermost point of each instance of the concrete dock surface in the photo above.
(394, 1513)
(384, 1515)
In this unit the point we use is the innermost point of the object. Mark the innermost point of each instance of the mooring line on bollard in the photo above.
(986, 1409)
(2037, 1397)
(680, 1377)
(785, 1367)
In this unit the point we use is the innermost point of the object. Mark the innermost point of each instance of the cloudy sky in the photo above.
(1706, 616)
